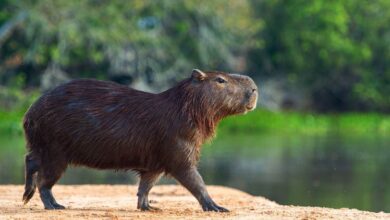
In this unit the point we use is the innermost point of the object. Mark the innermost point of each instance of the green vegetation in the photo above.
(14, 104)
(338, 52)
(306, 123)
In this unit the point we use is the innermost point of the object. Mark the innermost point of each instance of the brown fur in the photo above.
(105, 125)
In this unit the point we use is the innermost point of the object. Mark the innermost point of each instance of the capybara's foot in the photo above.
(51, 206)
(212, 207)
(48, 200)
(143, 204)
(58, 206)
(54, 207)
(149, 208)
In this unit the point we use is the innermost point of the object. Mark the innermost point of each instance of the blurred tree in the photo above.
(370, 25)
(151, 41)
(338, 50)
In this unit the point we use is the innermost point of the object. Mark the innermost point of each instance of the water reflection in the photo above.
(328, 171)
(333, 171)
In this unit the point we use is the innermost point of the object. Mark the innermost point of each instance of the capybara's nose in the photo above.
(251, 84)
(253, 89)
(251, 92)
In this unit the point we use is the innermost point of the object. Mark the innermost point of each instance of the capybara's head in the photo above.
(226, 94)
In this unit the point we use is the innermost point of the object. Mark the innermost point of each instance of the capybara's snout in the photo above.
(251, 93)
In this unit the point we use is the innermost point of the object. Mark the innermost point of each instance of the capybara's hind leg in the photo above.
(48, 199)
(147, 181)
(47, 177)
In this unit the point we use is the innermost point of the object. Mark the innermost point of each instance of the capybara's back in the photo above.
(97, 124)
(105, 125)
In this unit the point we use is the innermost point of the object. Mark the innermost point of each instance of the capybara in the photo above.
(105, 125)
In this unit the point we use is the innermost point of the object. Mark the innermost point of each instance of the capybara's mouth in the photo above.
(252, 103)
(250, 107)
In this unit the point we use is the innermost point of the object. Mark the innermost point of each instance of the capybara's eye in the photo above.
(220, 80)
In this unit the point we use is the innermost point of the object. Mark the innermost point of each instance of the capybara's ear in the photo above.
(198, 74)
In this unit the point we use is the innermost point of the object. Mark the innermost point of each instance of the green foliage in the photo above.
(94, 38)
(260, 121)
(10, 123)
(14, 104)
(338, 50)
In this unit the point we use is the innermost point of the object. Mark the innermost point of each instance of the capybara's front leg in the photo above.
(191, 179)
(147, 181)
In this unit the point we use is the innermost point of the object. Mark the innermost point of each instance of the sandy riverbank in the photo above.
(119, 202)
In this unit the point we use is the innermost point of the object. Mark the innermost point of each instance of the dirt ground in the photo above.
(119, 202)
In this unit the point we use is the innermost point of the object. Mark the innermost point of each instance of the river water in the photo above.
(327, 170)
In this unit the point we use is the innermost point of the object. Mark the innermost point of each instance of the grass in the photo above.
(13, 104)
(306, 123)
(11, 122)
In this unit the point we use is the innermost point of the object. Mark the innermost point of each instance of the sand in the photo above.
(119, 202)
